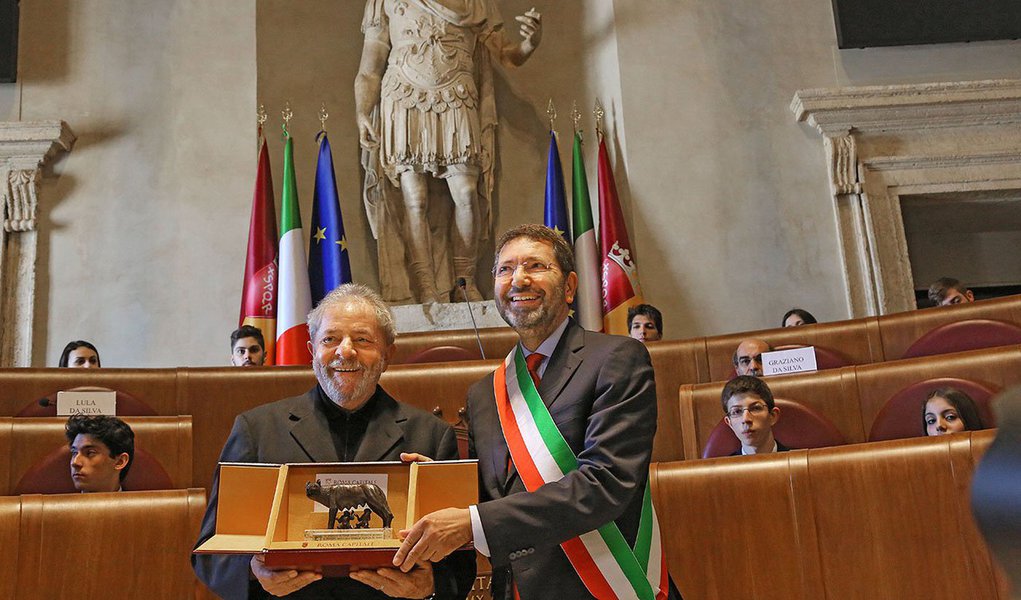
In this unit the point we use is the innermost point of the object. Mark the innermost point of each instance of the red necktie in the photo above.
(533, 361)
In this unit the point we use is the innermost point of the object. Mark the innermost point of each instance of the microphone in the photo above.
(461, 283)
(44, 402)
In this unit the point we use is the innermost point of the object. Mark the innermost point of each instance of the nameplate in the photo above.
(783, 362)
(86, 403)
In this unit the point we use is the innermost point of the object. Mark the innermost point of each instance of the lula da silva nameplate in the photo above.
(86, 403)
(795, 360)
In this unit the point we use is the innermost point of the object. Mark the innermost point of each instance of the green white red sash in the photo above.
(608, 567)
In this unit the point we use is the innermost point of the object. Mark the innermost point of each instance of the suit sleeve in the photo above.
(613, 462)
(226, 575)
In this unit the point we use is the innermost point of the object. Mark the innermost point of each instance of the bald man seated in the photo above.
(748, 357)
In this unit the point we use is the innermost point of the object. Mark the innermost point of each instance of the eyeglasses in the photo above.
(756, 410)
(532, 268)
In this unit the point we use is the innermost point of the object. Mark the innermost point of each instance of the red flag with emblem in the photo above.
(619, 273)
(259, 292)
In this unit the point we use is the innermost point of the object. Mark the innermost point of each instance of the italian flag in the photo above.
(295, 297)
(588, 303)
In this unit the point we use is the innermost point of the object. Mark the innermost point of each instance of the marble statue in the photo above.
(427, 116)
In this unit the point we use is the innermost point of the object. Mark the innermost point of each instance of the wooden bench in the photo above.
(850, 397)
(880, 520)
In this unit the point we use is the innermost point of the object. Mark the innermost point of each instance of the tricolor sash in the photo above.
(608, 567)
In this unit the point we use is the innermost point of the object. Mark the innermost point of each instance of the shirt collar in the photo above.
(775, 449)
(548, 345)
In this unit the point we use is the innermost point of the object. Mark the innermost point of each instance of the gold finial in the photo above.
(323, 115)
(551, 112)
(576, 118)
(261, 117)
(287, 115)
(599, 113)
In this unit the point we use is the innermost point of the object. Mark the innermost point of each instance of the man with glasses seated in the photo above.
(751, 413)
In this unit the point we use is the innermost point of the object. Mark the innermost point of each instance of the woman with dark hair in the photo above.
(949, 410)
(797, 316)
(79, 354)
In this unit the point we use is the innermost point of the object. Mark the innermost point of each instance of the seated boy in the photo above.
(102, 449)
(751, 413)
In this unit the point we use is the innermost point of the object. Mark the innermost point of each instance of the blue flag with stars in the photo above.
(556, 217)
(328, 264)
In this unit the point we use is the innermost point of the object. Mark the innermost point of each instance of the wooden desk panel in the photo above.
(119, 546)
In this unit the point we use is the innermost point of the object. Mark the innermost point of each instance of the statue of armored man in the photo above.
(427, 115)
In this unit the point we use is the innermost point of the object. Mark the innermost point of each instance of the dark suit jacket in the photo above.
(779, 448)
(296, 430)
(601, 393)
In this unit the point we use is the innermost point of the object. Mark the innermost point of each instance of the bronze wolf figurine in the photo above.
(350, 495)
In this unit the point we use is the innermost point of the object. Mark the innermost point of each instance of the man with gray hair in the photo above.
(346, 417)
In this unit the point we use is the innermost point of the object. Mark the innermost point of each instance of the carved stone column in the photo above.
(885, 142)
(24, 149)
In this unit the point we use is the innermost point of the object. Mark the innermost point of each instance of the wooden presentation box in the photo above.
(263, 509)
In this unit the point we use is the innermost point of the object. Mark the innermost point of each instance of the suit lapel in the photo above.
(562, 365)
(312, 431)
(384, 430)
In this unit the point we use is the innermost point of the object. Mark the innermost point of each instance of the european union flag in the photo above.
(556, 217)
(328, 264)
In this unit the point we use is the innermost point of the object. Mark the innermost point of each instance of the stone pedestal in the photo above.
(442, 317)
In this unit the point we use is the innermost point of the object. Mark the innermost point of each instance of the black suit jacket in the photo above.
(296, 430)
(601, 394)
(779, 448)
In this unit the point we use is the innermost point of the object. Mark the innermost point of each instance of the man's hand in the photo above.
(410, 457)
(282, 582)
(433, 537)
(417, 583)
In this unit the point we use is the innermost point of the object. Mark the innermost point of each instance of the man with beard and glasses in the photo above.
(346, 417)
(563, 433)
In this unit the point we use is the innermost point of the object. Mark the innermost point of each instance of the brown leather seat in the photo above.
(898, 331)
(127, 405)
(443, 354)
(799, 426)
(965, 335)
(51, 474)
(33, 441)
(992, 368)
(901, 416)
(830, 394)
(496, 341)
